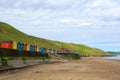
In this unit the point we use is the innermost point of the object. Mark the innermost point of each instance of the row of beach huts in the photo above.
(29, 47)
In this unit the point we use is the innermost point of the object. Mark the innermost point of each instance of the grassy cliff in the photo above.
(7, 32)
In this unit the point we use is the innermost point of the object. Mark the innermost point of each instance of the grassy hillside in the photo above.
(7, 32)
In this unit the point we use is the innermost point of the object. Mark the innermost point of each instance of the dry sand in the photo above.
(84, 69)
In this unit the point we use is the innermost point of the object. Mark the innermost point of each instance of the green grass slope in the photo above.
(7, 32)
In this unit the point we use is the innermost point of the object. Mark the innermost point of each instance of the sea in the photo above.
(116, 57)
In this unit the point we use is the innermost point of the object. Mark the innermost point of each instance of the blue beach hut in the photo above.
(20, 46)
(42, 50)
(32, 48)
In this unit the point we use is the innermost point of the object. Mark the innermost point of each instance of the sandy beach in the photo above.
(91, 68)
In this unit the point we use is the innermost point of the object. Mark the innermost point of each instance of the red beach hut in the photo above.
(25, 46)
(7, 44)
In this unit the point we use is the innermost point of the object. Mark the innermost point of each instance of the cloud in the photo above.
(56, 3)
(79, 21)
(75, 22)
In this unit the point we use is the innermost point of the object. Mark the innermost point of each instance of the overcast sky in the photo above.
(95, 23)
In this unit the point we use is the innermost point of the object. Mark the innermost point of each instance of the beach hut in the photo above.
(25, 46)
(52, 51)
(14, 45)
(63, 50)
(22, 46)
(48, 50)
(19, 46)
(28, 47)
(42, 50)
(32, 48)
(36, 48)
(56, 51)
(7, 44)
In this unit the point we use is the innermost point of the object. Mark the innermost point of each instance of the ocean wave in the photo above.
(113, 57)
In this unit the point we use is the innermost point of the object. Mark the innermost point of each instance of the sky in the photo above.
(95, 23)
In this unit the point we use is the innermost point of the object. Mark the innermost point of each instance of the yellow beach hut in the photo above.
(28, 47)
(37, 48)
(14, 45)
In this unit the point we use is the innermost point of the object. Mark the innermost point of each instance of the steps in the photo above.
(55, 56)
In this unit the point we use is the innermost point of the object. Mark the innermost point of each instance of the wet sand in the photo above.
(84, 69)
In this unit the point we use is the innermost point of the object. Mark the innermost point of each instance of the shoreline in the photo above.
(115, 57)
